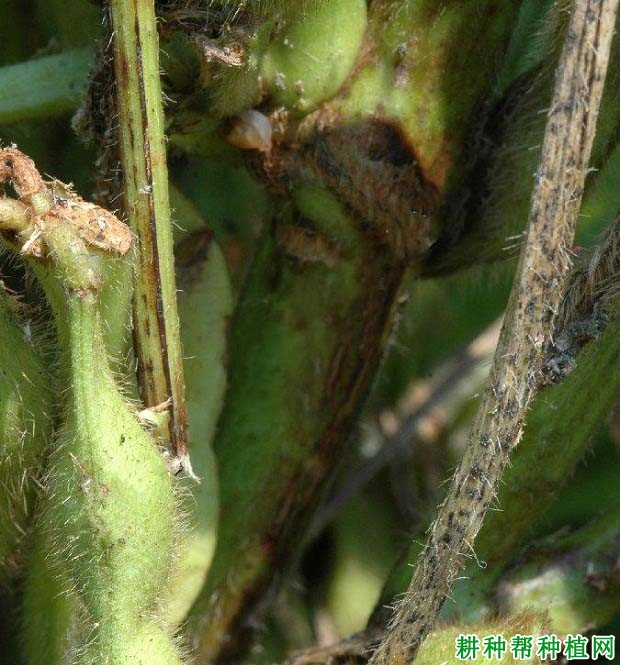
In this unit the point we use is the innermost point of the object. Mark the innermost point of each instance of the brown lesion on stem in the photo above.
(133, 95)
(347, 378)
(131, 150)
(376, 176)
(369, 164)
(516, 371)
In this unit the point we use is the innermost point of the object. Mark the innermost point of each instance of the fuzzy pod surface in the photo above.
(111, 508)
(108, 517)
(25, 426)
(107, 527)
(205, 307)
(311, 58)
(314, 319)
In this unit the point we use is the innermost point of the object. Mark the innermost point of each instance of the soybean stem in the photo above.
(146, 203)
(532, 309)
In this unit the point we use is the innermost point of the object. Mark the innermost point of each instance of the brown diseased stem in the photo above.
(145, 192)
(532, 309)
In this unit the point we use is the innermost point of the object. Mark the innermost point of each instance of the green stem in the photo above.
(146, 202)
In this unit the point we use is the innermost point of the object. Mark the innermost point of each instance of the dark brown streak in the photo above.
(353, 362)
(176, 430)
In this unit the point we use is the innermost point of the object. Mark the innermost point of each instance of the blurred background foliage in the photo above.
(372, 509)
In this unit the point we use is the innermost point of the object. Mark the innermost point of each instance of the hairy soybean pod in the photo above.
(109, 511)
(108, 517)
(25, 425)
(315, 52)
(205, 306)
(111, 507)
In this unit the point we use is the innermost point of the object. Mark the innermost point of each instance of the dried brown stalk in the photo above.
(535, 300)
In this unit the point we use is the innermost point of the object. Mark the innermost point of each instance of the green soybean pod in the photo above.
(111, 505)
(205, 303)
(49, 607)
(311, 58)
(108, 519)
(109, 522)
(25, 426)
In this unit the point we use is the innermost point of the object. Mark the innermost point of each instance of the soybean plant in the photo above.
(108, 516)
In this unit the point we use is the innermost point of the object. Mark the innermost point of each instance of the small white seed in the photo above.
(251, 131)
